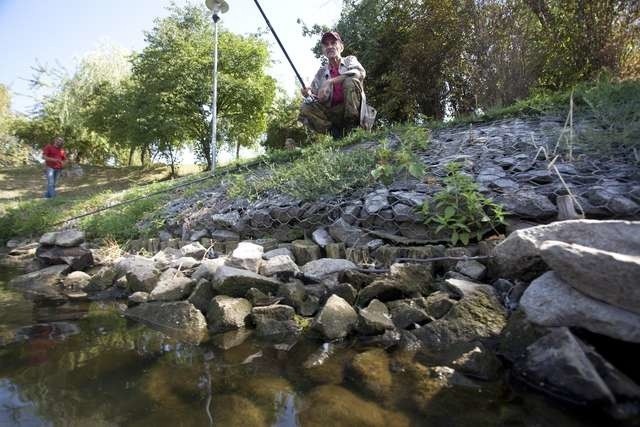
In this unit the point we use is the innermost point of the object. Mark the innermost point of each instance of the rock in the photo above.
(184, 263)
(376, 201)
(224, 236)
(334, 405)
(336, 319)
(165, 257)
(139, 297)
(228, 221)
(477, 361)
(472, 269)
(305, 251)
(76, 280)
(277, 252)
(557, 364)
(549, 301)
(66, 238)
(335, 250)
(141, 273)
(606, 276)
(322, 237)
(357, 278)
(180, 320)
(413, 277)
(518, 256)
(438, 304)
(257, 298)
(227, 313)
(390, 338)
(236, 411)
(207, 269)
(374, 319)
(293, 293)
(196, 235)
(201, 296)
(275, 321)
(343, 290)
(478, 315)
(172, 286)
(248, 256)
(369, 372)
(528, 204)
(194, 250)
(386, 290)
(346, 233)
(518, 334)
(231, 339)
(41, 285)
(387, 255)
(408, 313)
(326, 267)
(279, 264)
(77, 258)
(236, 282)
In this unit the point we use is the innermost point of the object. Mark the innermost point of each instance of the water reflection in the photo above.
(88, 365)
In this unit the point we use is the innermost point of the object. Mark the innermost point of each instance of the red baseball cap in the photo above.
(331, 34)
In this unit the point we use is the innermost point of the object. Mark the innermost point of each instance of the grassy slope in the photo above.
(614, 107)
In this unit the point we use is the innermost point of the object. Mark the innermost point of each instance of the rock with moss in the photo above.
(180, 320)
(305, 251)
(370, 373)
(336, 319)
(374, 319)
(233, 410)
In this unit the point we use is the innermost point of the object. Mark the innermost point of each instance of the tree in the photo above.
(173, 81)
(283, 123)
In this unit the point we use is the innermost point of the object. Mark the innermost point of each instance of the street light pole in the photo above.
(217, 7)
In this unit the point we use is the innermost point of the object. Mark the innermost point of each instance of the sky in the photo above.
(60, 32)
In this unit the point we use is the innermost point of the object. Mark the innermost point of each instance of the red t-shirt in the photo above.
(338, 91)
(52, 151)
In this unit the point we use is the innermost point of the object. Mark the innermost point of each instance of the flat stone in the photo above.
(236, 282)
(325, 267)
(376, 201)
(550, 301)
(279, 264)
(374, 319)
(228, 221)
(193, 250)
(180, 320)
(139, 297)
(172, 286)
(528, 204)
(518, 256)
(322, 237)
(277, 252)
(472, 269)
(76, 257)
(348, 234)
(606, 276)
(224, 236)
(305, 251)
(41, 285)
(76, 280)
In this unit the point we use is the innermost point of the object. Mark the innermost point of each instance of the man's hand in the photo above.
(306, 92)
(325, 91)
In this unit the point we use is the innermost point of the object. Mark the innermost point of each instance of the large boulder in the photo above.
(141, 273)
(477, 316)
(227, 313)
(172, 286)
(388, 290)
(558, 362)
(201, 296)
(65, 238)
(248, 256)
(180, 320)
(518, 256)
(41, 285)
(550, 301)
(607, 276)
(327, 267)
(236, 282)
(76, 257)
(336, 319)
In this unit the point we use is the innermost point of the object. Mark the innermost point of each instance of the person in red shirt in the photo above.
(334, 100)
(55, 159)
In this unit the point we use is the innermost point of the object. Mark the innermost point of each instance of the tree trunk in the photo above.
(237, 150)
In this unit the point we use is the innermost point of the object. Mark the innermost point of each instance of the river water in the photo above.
(84, 364)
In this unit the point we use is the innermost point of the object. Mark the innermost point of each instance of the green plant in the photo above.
(461, 209)
(391, 163)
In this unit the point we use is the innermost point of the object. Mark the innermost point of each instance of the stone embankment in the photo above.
(538, 301)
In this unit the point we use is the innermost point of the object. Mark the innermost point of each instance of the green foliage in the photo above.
(319, 171)
(403, 160)
(461, 209)
(283, 124)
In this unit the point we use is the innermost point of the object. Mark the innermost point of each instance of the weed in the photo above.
(461, 209)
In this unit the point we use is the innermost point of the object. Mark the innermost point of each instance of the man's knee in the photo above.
(350, 83)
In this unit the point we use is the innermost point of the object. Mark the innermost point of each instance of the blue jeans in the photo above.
(52, 177)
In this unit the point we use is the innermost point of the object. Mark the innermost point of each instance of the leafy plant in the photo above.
(461, 209)
(391, 163)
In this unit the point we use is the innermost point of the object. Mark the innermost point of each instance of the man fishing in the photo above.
(335, 100)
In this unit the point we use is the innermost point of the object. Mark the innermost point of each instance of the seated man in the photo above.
(334, 101)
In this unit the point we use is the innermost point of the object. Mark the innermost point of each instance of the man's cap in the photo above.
(331, 34)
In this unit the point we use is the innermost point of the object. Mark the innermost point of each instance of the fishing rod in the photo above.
(280, 43)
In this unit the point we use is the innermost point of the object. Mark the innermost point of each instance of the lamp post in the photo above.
(216, 7)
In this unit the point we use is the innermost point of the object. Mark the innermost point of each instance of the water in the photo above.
(86, 365)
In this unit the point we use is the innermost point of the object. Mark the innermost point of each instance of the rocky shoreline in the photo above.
(517, 305)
